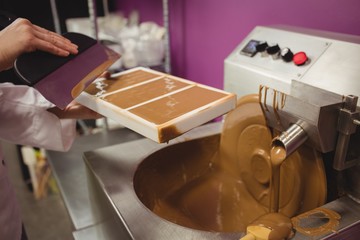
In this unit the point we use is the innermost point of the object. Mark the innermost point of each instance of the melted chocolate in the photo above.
(224, 185)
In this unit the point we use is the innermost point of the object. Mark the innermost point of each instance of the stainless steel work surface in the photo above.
(70, 172)
(113, 169)
(102, 230)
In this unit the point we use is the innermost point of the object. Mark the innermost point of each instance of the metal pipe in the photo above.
(167, 64)
(106, 8)
(347, 126)
(95, 28)
(55, 15)
(93, 18)
(291, 139)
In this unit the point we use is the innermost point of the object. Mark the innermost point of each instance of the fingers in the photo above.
(53, 42)
(22, 36)
(45, 31)
(54, 48)
(75, 111)
(36, 37)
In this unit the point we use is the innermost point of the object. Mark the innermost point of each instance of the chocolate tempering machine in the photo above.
(307, 84)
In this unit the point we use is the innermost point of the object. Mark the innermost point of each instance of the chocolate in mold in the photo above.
(170, 107)
(145, 92)
(158, 105)
(120, 82)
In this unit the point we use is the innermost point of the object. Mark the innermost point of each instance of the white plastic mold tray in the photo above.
(154, 104)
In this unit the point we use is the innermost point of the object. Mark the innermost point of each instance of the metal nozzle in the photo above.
(291, 139)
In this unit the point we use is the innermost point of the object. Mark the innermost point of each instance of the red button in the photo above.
(300, 58)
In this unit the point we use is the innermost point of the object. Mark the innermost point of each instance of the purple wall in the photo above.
(150, 10)
(204, 32)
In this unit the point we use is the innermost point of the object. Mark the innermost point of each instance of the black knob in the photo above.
(286, 54)
(261, 47)
(271, 50)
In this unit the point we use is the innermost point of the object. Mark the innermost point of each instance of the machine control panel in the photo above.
(264, 49)
(274, 57)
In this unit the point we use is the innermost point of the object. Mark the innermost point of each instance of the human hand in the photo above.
(22, 36)
(75, 111)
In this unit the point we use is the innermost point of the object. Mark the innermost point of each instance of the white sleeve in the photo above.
(24, 120)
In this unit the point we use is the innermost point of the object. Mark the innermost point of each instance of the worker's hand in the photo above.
(22, 36)
(75, 111)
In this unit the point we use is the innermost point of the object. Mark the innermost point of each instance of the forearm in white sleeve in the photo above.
(24, 120)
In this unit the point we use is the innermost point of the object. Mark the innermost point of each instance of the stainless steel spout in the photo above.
(328, 121)
(291, 139)
(314, 110)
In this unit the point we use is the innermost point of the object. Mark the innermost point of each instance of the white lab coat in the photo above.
(24, 120)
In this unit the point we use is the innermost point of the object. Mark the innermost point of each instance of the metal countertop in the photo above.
(113, 169)
(70, 172)
(112, 158)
